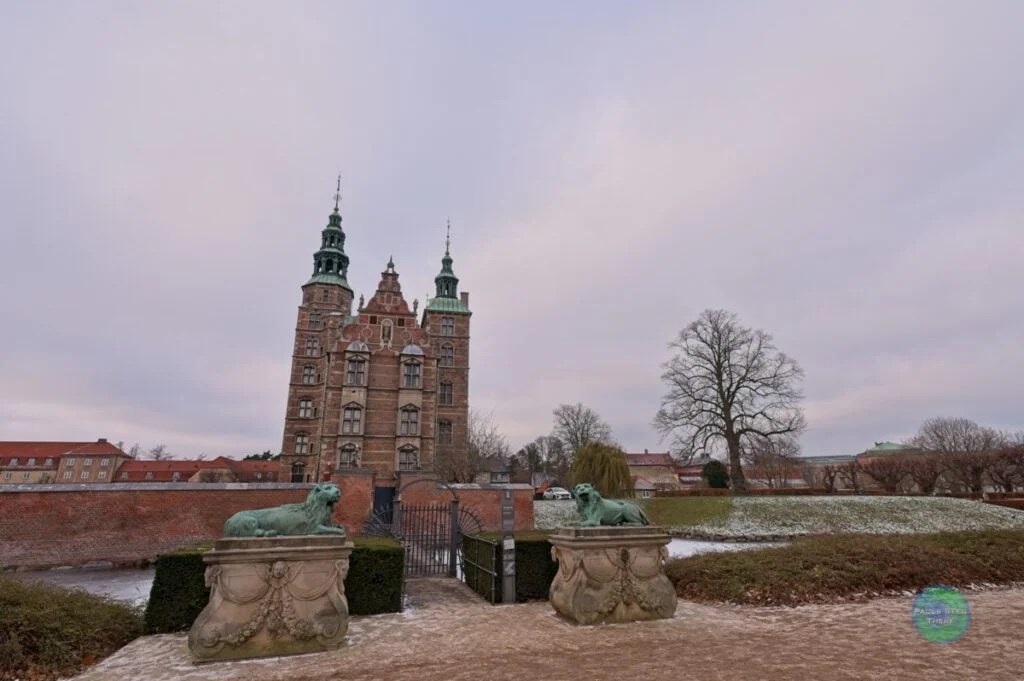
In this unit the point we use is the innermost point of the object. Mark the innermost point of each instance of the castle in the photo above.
(383, 389)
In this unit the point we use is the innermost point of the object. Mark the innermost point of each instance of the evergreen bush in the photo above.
(179, 593)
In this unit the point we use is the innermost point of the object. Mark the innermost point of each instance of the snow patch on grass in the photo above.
(793, 516)
(549, 514)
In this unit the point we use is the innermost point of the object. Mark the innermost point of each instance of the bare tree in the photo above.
(956, 436)
(850, 473)
(484, 441)
(888, 472)
(577, 426)
(925, 470)
(775, 459)
(135, 452)
(967, 471)
(828, 476)
(160, 453)
(546, 455)
(1006, 468)
(727, 384)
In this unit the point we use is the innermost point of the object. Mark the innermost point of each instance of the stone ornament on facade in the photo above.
(611, 574)
(313, 516)
(273, 596)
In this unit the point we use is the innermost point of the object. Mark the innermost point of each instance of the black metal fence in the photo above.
(481, 566)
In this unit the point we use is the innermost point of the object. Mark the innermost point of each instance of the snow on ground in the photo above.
(753, 517)
(791, 516)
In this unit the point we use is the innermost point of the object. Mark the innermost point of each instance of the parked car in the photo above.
(557, 493)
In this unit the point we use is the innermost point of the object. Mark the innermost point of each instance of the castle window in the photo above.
(31, 462)
(87, 462)
(305, 408)
(410, 422)
(348, 457)
(149, 475)
(444, 432)
(401, 321)
(301, 443)
(445, 395)
(356, 372)
(309, 374)
(14, 461)
(104, 462)
(447, 355)
(327, 294)
(352, 420)
(312, 347)
(298, 472)
(67, 475)
(447, 326)
(412, 375)
(408, 459)
(124, 475)
(314, 320)
(48, 461)
(373, 319)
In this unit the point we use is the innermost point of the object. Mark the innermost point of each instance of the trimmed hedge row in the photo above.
(179, 593)
(534, 567)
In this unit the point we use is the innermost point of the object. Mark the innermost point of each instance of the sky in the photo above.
(845, 176)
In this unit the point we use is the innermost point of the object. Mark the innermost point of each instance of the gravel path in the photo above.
(449, 634)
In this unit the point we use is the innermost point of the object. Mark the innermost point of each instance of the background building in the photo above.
(59, 462)
(383, 388)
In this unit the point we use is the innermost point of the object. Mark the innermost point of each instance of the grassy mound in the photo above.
(848, 567)
(756, 517)
(47, 631)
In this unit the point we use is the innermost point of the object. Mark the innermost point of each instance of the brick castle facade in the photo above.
(386, 388)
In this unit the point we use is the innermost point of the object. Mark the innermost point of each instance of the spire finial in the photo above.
(448, 237)
(391, 263)
(337, 194)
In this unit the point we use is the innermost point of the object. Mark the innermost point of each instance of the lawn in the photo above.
(688, 511)
(851, 567)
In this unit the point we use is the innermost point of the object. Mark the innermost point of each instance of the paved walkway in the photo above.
(465, 639)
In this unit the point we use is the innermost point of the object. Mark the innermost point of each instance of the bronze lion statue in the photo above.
(313, 516)
(595, 510)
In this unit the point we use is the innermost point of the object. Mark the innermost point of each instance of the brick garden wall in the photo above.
(55, 525)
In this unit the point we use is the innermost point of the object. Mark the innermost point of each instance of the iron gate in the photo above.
(430, 533)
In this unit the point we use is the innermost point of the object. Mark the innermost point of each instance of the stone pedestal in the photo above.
(272, 596)
(611, 574)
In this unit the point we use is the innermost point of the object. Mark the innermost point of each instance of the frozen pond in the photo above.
(681, 548)
(123, 585)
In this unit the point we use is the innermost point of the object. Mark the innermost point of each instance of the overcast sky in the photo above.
(846, 176)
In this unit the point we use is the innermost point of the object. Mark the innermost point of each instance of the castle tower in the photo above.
(446, 318)
(376, 389)
(326, 304)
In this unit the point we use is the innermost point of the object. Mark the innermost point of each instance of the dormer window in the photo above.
(411, 375)
(355, 373)
(408, 458)
(409, 424)
(352, 420)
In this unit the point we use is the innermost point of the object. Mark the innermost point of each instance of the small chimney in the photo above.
(464, 296)
(645, 450)
(101, 441)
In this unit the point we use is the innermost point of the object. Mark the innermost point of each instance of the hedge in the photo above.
(179, 593)
(535, 568)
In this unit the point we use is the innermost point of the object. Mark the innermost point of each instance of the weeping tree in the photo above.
(727, 386)
(603, 466)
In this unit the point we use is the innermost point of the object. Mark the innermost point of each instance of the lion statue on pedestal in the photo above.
(313, 516)
(595, 510)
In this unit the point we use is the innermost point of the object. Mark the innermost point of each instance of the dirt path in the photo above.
(464, 639)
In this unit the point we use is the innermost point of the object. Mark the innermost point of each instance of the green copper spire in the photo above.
(446, 282)
(330, 264)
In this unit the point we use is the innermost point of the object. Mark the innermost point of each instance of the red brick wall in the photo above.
(133, 522)
(125, 523)
(483, 500)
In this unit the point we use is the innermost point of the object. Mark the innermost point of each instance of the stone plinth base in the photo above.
(611, 574)
(273, 596)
